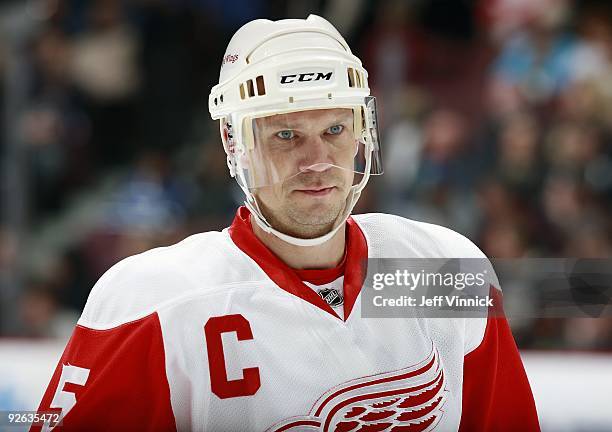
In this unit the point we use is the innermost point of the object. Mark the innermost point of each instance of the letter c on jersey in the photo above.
(219, 383)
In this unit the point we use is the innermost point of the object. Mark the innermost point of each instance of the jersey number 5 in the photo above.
(220, 385)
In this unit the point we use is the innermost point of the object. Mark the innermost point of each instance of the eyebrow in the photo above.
(298, 123)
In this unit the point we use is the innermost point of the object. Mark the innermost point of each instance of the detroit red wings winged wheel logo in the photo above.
(406, 400)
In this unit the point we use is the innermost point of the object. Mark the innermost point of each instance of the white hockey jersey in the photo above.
(217, 334)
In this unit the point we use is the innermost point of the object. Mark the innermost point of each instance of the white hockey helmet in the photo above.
(278, 67)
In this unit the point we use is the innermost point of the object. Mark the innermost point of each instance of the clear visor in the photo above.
(280, 147)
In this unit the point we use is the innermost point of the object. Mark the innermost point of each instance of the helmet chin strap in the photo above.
(351, 201)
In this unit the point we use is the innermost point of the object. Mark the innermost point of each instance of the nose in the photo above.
(315, 155)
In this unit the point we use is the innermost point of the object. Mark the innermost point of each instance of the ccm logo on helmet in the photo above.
(306, 76)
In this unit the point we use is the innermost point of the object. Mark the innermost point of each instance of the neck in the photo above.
(325, 255)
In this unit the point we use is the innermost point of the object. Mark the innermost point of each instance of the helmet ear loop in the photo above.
(235, 157)
(227, 137)
(229, 145)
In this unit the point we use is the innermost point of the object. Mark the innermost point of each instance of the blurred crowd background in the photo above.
(496, 122)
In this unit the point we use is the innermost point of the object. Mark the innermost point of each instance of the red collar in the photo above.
(322, 276)
(354, 268)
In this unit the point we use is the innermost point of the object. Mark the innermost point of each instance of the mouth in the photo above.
(317, 191)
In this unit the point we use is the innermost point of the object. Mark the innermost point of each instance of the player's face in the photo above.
(314, 152)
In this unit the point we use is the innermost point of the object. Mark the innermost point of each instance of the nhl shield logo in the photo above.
(331, 296)
(407, 400)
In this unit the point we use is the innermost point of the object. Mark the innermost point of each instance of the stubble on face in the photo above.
(298, 215)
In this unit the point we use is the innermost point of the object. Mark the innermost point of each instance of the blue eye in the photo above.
(286, 134)
(335, 130)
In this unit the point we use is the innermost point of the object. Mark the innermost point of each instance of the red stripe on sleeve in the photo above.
(112, 379)
(496, 392)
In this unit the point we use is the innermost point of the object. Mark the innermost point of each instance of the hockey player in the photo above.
(257, 327)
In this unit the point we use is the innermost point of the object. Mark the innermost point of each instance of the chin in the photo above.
(315, 211)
